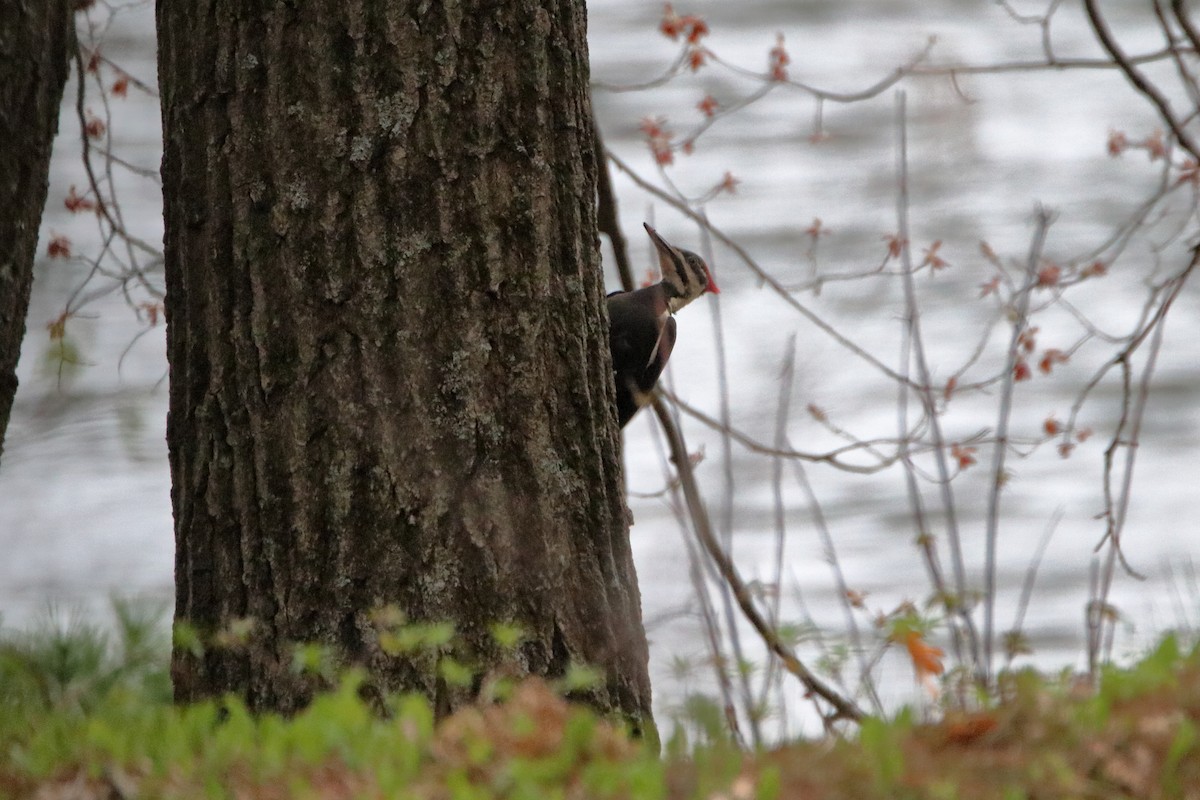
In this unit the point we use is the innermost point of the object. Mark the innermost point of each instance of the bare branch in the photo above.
(759, 272)
(1000, 449)
(1139, 80)
(924, 390)
(842, 707)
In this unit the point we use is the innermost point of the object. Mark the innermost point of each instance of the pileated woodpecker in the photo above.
(641, 328)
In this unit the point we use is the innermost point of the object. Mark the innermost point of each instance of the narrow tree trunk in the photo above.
(36, 37)
(389, 376)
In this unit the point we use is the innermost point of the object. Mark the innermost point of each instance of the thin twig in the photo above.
(606, 211)
(735, 640)
(1185, 74)
(1031, 574)
(708, 616)
(843, 588)
(924, 390)
(1185, 22)
(87, 164)
(1040, 65)
(783, 407)
(1139, 80)
(842, 707)
(662, 78)
(874, 90)
(1000, 450)
(759, 272)
(1132, 412)
(925, 540)
(831, 457)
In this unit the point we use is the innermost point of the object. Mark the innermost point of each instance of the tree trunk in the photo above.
(36, 37)
(390, 383)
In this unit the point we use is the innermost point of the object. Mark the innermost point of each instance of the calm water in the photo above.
(84, 488)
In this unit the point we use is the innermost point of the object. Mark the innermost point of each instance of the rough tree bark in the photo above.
(36, 37)
(389, 375)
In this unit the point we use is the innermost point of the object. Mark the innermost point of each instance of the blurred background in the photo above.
(84, 487)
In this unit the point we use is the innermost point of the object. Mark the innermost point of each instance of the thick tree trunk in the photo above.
(36, 37)
(389, 376)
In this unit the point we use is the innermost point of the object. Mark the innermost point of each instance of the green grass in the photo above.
(84, 713)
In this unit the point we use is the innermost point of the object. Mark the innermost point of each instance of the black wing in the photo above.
(641, 340)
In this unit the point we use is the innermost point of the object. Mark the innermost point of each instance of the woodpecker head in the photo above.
(685, 276)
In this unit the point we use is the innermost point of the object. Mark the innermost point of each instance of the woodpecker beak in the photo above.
(664, 250)
(666, 258)
(712, 285)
